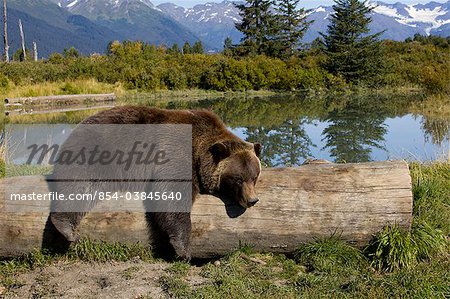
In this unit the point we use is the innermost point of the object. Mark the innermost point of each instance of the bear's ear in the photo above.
(257, 147)
(219, 151)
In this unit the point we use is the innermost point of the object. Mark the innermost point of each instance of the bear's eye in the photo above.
(239, 181)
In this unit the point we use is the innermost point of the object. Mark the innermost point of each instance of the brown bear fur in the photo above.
(223, 165)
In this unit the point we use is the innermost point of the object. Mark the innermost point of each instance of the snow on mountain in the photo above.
(131, 19)
(116, 3)
(214, 22)
(425, 16)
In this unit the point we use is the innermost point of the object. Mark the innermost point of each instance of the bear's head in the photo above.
(236, 173)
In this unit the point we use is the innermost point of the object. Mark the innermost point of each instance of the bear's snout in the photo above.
(252, 202)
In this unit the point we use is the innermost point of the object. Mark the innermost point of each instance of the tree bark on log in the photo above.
(296, 205)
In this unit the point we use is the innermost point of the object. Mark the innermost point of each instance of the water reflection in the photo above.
(350, 129)
(437, 130)
(287, 144)
(353, 132)
(347, 129)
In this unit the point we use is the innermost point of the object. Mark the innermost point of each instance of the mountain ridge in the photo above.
(89, 25)
(400, 20)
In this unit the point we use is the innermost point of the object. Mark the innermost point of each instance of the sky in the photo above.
(305, 3)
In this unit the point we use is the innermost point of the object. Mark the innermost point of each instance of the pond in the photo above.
(347, 129)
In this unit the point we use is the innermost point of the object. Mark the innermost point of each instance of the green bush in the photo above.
(4, 82)
(436, 79)
(424, 64)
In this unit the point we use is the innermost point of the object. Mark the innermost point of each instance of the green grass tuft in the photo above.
(97, 251)
(330, 255)
(432, 194)
(393, 249)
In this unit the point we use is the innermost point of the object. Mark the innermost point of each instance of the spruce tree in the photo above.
(256, 19)
(352, 52)
(228, 47)
(289, 27)
(187, 48)
(175, 49)
(197, 48)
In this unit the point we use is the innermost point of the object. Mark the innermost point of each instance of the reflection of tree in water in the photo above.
(286, 144)
(355, 123)
(436, 130)
(275, 122)
(353, 132)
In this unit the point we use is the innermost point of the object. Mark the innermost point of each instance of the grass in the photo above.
(80, 86)
(396, 264)
(92, 251)
(330, 255)
(12, 170)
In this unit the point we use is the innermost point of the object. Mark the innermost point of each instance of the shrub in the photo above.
(394, 248)
(330, 255)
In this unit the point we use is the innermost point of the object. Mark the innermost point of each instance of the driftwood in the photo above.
(296, 205)
(50, 100)
(45, 110)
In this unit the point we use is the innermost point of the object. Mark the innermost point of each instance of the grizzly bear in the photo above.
(223, 165)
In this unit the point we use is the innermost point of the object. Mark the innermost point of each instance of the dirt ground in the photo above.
(131, 279)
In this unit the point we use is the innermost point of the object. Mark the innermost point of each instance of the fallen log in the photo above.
(24, 111)
(296, 205)
(48, 100)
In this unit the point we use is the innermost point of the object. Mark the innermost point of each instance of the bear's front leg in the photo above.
(67, 223)
(177, 226)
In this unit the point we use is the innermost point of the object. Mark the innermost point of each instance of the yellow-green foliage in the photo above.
(76, 86)
(423, 63)
(135, 65)
(418, 64)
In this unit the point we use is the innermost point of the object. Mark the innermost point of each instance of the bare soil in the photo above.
(131, 279)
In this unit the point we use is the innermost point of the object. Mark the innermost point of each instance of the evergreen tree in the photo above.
(71, 53)
(228, 47)
(175, 49)
(187, 48)
(255, 25)
(197, 48)
(352, 52)
(289, 27)
(18, 55)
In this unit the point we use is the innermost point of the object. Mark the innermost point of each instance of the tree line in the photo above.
(344, 57)
(276, 29)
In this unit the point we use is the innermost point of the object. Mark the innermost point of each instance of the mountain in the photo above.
(380, 22)
(133, 19)
(213, 22)
(89, 25)
(53, 29)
